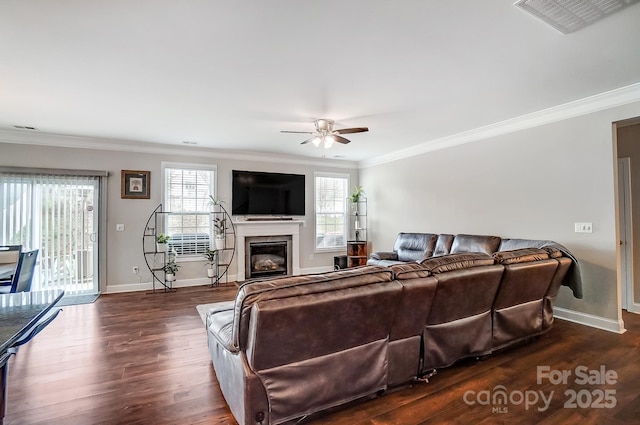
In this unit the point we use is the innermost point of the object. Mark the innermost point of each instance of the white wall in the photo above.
(533, 183)
(124, 249)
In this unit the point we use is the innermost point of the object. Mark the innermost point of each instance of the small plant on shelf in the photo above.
(211, 255)
(358, 191)
(220, 226)
(161, 242)
(213, 202)
(170, 270)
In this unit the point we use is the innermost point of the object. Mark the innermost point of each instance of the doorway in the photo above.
(626, 233)
(59, 216)
(627, 146)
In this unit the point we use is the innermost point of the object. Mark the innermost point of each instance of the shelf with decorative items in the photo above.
(357, 237)
(160, 260)
(160, 249)
(222, 251)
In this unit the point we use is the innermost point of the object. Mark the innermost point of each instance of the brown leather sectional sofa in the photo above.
(290, 347)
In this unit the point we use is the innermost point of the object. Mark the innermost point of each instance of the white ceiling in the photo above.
(232, 74)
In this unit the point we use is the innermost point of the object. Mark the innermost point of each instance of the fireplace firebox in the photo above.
(268, 258)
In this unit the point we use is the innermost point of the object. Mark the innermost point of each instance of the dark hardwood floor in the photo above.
(137, 358)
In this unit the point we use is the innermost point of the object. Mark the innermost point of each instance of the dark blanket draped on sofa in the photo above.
(573, 280)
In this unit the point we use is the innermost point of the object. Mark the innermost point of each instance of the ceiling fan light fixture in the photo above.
(326, 135)
(329, 141)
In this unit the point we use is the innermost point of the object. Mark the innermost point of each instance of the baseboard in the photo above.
(314, 270)
(183, 283)
(586, 319)
(147, 286)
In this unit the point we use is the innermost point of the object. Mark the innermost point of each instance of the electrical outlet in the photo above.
(583, 227)
(135, 270)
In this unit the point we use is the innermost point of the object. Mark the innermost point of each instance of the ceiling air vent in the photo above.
(571, 15)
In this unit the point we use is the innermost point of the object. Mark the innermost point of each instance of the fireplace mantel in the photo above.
(248, 228)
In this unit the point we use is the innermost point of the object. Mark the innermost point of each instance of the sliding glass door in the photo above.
(58, 215)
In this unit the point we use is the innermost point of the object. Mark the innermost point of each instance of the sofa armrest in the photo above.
(383, 255)
(220, 326)
(221, 306)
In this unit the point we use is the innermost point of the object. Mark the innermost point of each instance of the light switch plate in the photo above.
(583, 227)
(119, 227)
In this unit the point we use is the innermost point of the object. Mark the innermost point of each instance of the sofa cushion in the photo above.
(385, 256)
(475, 243)
(384, 263)
(523, 255)
(414, 246)
(409, 271)
(451, 262)
(443, 245)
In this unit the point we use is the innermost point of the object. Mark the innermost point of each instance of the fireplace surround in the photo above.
(268, 230)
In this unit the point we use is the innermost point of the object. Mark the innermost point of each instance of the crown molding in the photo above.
(598, 102)
(94, 143)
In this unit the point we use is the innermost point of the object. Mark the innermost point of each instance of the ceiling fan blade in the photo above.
(309, 140)
(299, 132)
(341, 139)
(352, 130)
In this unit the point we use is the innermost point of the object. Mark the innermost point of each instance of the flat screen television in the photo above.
(260, 193)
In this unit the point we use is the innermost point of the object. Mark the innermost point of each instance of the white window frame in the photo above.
(206, 210)
(317, 213)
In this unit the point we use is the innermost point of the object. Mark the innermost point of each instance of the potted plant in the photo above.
(219, 224)
(213, 202)
(358, 191)
(170, 270)
(161, 242)
(211, 255)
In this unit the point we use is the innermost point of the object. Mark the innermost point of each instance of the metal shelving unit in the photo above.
(227, 250)
(357, 240)
(156, 260)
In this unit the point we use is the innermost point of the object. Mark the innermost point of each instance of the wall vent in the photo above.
(568, 16)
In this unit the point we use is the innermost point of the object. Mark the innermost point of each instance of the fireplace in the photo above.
(267, 256)
(269, 231)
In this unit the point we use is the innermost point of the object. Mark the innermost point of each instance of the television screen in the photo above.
(260, 193)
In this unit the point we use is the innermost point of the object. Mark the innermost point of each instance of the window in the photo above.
(188, 190)
(331, 211)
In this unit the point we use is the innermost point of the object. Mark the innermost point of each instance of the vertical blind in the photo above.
(331, 213)
(55, 214)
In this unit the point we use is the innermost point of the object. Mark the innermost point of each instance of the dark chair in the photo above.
(23, 276)
(9, 257)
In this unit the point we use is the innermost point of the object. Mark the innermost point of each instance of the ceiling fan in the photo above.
(326, 135)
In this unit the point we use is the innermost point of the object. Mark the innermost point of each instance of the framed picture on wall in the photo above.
(135, 184)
